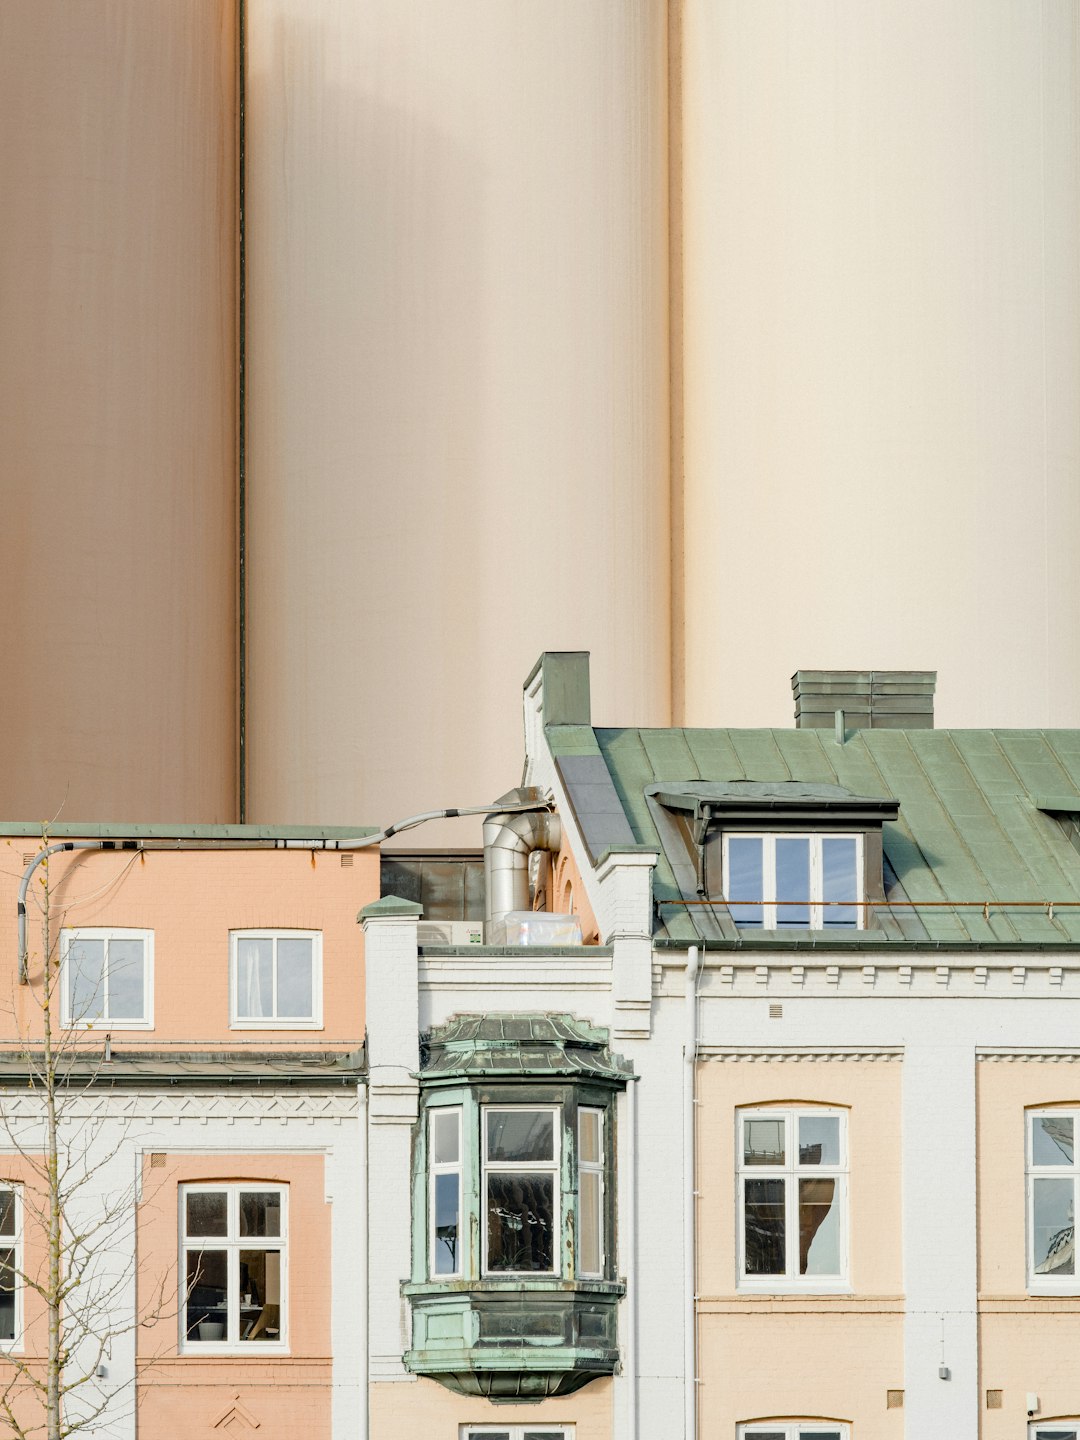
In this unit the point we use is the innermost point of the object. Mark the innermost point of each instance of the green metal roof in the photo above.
(975, 827)
(117, 830)
(515, 1046)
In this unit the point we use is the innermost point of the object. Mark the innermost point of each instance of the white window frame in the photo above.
(15, 1244)
(530, 1167)
(516, 1432)
(599, 1169)
(791, 1429)
(273, 1022)
(446, 1167)
(106, 933)
(1050, 1284)
(791, 1172)
(772, 916)
(232, 1243)
(1047, 1427)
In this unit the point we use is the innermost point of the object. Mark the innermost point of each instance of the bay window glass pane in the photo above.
(1052, 1140)
(793, 882)
(207, 1292)
(745, 887)
(126, 976)
(764, 1435)
(589, 1137)
(520, 1136)
(294, 979)
(543, 1435)
(589, 1238)
(819, 1227)
(819, 1435)
(260, 1295)
(819, 1139)
(1042, 1434)
(763, 1141)
(765, 1252)
(447, 1220)
(7, 1212)
(7, 1294)
(445, 1142)
(255, 978)
(839, 881)
(260, 1212)
(86, 979)
(1053, 1227)
(207, 1212)
(521, 1221)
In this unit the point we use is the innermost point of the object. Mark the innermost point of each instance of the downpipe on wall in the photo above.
(693, 966)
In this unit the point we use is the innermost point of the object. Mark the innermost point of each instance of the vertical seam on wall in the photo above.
(676, 456)
(241, 485)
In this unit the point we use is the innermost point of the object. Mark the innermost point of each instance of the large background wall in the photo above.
(459, 397)
(117, 410)
(457, 394)
(882, 352)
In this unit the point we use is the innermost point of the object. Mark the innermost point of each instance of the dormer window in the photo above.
(794, 882)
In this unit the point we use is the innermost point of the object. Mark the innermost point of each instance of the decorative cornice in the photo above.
(794, 1054)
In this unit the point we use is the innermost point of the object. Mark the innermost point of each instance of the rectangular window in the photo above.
(11, 1266)
(106, 978)
(444, 1198)
(233, 1264)
(276, 979)
(792, 1199)
(590, 1243)
(794, 882)
(1053, 1178)
(521, 1190)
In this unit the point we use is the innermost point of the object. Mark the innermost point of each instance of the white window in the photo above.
(792, 1199)
(233, 1266)
(276, 979)
(106, 978)
(794, 882)
(1055, 1430)
(11, 1266)
(444, 1196)
(793, 1430)
(521, 1199)
(517, 1432)
(1053, 1177)
(590, 1232)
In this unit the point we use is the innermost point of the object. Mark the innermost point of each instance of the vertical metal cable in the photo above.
(242, 425)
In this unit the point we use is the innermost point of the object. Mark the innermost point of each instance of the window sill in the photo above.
(795, 1292)
(276, 1024)
(209, 1349)
(89, 1027)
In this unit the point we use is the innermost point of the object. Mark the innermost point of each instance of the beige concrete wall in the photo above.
(457, 388)
(841, 1353)
(117, 409)
(191, 900)
(426, 1408)
(882, 352)
(1027, 1343)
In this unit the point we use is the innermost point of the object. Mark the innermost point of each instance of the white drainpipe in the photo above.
(631, 1347)
(693, 965)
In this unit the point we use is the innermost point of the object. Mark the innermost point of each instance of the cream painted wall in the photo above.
(882, 352)
(426, 1408)
(457, 389)
(117, 410)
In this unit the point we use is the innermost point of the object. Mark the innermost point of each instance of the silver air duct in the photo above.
(509, 840)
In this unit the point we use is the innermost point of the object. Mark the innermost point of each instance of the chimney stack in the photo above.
(869, 699)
